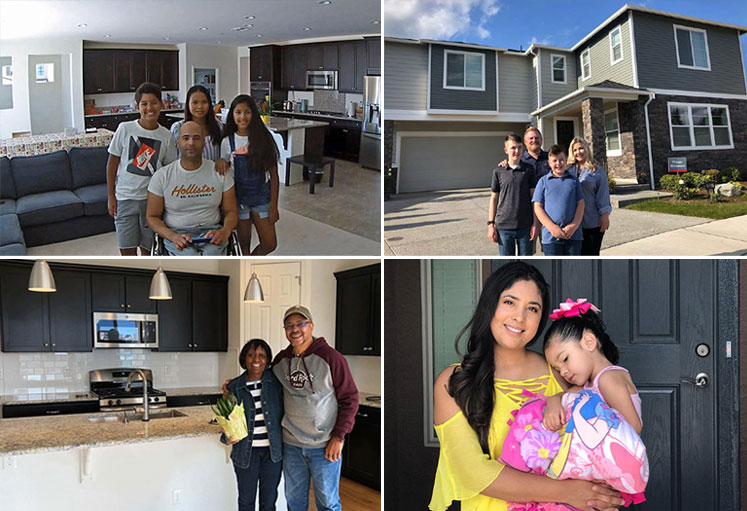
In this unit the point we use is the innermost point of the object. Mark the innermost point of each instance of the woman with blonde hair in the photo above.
(595, 188)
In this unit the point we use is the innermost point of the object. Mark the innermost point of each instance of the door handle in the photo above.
(701, 380)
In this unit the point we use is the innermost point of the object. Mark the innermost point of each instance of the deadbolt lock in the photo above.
(702, 350)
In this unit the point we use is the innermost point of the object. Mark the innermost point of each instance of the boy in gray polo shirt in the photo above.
(511, 221)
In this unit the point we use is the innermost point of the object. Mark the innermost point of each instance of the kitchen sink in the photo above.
(132, 417)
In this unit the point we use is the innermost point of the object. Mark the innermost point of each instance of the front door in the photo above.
(564, 132)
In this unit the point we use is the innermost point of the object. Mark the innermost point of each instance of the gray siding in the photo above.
(601, 70)
(657, 57)
(450, 99)
(552, 91)
(515, 83)
(406, 71)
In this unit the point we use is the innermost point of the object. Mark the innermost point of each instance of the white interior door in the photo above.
(281, 284)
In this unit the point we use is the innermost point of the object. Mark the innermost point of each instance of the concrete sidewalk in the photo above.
(453, 223)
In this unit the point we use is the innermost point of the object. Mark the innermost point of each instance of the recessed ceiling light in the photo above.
(259, 35)
(249, 17)
(306, 28)
(375, 22)
(220, 42)
(238, 29)
(324, 2)
(167, 38)
(248, 25)
(82, 25)
(203, 28)
(108, 35)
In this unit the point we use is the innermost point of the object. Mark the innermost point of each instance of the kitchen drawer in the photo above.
(192, 400)
(61, 408)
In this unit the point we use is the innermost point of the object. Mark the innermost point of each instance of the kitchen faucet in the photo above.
(146, 417)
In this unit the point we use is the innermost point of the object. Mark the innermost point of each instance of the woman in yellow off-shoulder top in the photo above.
(473, 403)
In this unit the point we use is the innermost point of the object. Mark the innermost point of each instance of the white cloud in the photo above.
(438, 19)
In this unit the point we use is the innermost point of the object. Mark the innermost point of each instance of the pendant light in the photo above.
(253, 292)
(159, 286)
(41, 279)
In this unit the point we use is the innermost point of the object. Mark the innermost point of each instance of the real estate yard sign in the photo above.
(677, 164)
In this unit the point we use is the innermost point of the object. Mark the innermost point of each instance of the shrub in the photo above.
(683, 192)
(694, 180)
(669, 181)
(611, 183)
(715, 197)
(712, 175)
(731, 174)
(736, 184)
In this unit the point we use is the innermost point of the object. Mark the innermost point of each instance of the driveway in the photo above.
(453, 223)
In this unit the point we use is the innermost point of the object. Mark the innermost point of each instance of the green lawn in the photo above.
(735, 206)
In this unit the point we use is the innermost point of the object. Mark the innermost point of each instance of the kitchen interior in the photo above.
(314, 66)
(71, 426)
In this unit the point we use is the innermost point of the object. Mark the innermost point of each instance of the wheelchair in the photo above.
(232, 249)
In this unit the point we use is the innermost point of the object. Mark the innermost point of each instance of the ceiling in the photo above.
(225, 22)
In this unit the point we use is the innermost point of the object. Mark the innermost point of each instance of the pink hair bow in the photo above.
(569, 308)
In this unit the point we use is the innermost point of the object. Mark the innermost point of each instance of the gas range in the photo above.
(109, 385)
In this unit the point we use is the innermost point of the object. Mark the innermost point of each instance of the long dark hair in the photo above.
(263, 154)
(573, 328)
(471, 384)
(211, 123)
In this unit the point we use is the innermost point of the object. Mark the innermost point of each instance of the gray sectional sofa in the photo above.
(52, 197)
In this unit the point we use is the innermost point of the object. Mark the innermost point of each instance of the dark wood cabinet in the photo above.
(374, 56)
(361, 65)
(175, 317)
(38, 322)
(54, 408)
(346, 81)
(107, 71)
(358, 311)
(343, 139)
(121, 293)
(361, 454)
(322, 56)
(209, 315)
(261, 63)
(294, 67)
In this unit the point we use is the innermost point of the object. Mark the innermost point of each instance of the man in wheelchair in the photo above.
(185, 199)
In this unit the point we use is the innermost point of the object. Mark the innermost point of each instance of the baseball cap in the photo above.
(298, 309)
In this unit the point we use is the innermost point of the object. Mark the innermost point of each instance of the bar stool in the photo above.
(314, 166)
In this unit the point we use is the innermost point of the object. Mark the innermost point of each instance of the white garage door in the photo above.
(443, 161)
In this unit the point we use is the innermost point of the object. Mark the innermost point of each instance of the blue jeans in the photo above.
(508, 239)
(263, 470)
(301, 464)
(563, 248)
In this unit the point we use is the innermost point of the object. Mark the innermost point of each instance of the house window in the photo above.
(699, 126)
(44, 73)
(585, 64)
(7, 72)
(612, 132)
(558, 68)
(692, 48)
(616, 47)
(450, 291)
(464, 70)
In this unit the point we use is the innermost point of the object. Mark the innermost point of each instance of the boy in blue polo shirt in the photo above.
(559, 206)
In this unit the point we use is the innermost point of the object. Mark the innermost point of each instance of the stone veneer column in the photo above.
(592, 110)
(388, 143)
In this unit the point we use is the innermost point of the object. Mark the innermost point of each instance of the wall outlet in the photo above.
(176, 498)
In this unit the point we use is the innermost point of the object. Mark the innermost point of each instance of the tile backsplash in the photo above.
(34, 373)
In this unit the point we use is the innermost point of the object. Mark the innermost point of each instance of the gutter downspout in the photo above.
(539, 81)
(648, 140)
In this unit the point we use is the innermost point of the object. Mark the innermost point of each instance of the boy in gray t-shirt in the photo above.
(138, 149)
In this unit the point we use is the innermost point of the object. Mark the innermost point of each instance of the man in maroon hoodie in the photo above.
(320, 401)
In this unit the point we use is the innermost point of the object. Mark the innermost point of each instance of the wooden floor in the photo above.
(354, 497)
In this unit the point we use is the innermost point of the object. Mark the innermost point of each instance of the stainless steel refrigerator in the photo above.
(370, 152)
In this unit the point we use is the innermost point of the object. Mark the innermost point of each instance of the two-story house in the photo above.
(643, 86)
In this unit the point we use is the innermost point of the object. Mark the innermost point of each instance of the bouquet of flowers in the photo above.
(230, 415)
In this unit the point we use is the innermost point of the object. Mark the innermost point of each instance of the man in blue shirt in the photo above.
(534, 155)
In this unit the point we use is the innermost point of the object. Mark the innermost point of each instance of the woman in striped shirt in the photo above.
(199, 108)
(257, 459)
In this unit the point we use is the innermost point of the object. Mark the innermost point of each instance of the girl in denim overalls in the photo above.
(248, 146)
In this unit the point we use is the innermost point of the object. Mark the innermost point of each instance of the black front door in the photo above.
(564, 133)
(671, 320)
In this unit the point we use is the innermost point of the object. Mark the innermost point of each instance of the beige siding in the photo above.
(515, 77)
(405, 76)
(601, 70)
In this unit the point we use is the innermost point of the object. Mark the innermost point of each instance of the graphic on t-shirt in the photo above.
(143, 155)
(192, 191)
(298, 379)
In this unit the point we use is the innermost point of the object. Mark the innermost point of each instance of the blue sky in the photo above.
(514, 24)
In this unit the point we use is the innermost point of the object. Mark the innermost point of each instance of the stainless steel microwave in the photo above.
(321, 80)
(122, 330)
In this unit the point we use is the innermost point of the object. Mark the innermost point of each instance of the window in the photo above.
(7, 74)
(616, 47)
(44, 73)
(585, 64)
(699, 126)
(463, 70)
(692, 48)
(612, 133)
(558, 68)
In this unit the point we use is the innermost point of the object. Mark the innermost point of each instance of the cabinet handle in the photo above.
(51, 412)
(129, 305)
(46, 345)
(189, 345)
(53, 344)
(195, 345)
(122, 305)
(364, 415)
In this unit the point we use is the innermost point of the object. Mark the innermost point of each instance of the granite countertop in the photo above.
(34, 434)
(373, 404)
(134, 111)
(338, 117)
(284, 124)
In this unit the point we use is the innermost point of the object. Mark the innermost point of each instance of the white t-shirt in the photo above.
(141, 153)
(191, 198)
